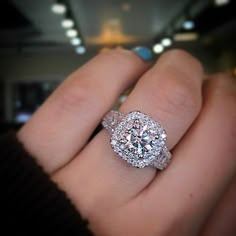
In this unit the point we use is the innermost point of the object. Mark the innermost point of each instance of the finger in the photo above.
(222, 220)
(172, 87)
(64, 123)
(204, 164)
(170, 92)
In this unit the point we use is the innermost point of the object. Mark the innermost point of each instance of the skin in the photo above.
(193, 196)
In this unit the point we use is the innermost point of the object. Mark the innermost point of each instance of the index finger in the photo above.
(61, 127)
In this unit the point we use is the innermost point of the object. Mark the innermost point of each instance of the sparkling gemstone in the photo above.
(141, 138)
(113, 142)
(138, 139)
(163, 136)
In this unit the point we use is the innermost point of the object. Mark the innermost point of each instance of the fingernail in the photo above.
(144, 53)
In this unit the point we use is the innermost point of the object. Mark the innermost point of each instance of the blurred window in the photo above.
(28, 96)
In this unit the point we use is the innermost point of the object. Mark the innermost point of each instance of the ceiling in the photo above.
(141, 22)
(105, 23)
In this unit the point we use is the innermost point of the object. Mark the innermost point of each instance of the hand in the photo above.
(193, 196)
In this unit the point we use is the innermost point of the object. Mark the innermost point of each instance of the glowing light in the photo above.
(76, 41)
(221, 2)
(158, 48)
(186, 36)
(67, 23)
(81, 50)
(58, 8)
(234, 72)
(22, 117)
(166, 42)
(112, 34)
(188, 25)
(126, 6)
(71, 33)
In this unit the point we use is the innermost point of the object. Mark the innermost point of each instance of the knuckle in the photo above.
(183, 56)
(174, 52)
(125, 60)
(75, 98)
(181, 95)
(120, 56)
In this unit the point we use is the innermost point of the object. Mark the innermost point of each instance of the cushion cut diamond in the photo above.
(142, 137)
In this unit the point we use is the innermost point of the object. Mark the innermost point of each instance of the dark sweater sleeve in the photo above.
(31, 204)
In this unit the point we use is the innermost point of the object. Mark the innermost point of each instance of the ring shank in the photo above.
(112, 120)
(165, 157)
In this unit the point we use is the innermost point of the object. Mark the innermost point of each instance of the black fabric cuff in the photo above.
(30, 202)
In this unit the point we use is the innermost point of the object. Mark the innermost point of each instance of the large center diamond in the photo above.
(138, 139)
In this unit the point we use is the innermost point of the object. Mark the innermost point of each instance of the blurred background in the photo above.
(41, 42)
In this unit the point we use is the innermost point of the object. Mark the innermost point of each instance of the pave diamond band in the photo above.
(138, 139)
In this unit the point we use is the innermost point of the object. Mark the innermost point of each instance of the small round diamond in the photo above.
(113, 142)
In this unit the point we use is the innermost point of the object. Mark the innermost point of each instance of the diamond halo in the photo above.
(138, 139)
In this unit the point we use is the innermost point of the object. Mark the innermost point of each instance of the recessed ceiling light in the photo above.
(71, 33)
(188, 24)
(221, 2)
(158, 48)
(166, 42)
(67, 23)
(76, 41)
(58, 8)
(80, 50)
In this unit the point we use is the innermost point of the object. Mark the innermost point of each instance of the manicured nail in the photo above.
(144, 53)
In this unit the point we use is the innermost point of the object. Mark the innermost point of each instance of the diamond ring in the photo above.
(138, 139)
